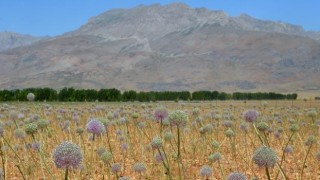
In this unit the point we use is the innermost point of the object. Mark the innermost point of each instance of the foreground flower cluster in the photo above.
(219, 140)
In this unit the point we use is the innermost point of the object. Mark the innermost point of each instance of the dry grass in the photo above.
(196, 147)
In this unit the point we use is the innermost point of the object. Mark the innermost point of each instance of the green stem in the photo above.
(20, 172)
(256, 130)
(283, 153)
(222, 171)
(66, 174)
(161, 127)
(15, 153)
(304, 162)
(110, 149)
(165, 165)
(179, 155)
(268, 174)
(45, 165)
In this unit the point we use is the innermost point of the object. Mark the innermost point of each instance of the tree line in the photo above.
(114, 95)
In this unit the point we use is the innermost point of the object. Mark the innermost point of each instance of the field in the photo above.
(205, 140)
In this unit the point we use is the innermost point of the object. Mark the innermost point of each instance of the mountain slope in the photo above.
(172, 47)
(9, 40)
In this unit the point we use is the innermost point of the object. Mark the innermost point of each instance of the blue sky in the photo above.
(54, 17)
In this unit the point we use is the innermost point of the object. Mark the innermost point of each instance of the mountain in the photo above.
(10, 40)
(171, 47)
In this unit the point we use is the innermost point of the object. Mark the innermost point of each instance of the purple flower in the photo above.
(265, 157)
(160, 114)
(237, 176)
(101, 150)
(116, 167)
(288, 149)
(206, 171)
(36, 146)
(13, 115)
(139, 167)
(20, 134)
(68, 155)
(160, 157)
(227, 123)
(251, 115)
(94, 126)
(244, 127)
(124, 146)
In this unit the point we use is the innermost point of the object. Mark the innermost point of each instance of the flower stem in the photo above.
(268, 174)
(179, 154)
(305, 160)
(66, 174)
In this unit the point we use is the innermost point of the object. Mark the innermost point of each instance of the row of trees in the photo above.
(71, 94)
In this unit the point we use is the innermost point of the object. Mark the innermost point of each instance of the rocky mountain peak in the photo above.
(170, 47)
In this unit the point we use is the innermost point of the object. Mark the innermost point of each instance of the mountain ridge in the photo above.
(171, 47)
(10, 40)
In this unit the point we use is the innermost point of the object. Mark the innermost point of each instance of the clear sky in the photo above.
(54, 17)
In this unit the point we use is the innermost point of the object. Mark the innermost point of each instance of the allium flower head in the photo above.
(43, 123)
(206, 171)
(13, 115)
(36, 146)
(312, 113)
(68, 155)
(215, 144)
(31, 128)
(277, 135)
(262, 126)
(156, 143)
(227, 123)
(178, 118)
(244, 127)
(237, 176)
(80, 130)
(196, 111)
(160, 114)
(168, 136)
(101, 150)
(288, 149)
(135, 115)
(294, 128)
(251, 115)
(95, 126)
(31, 97)
(311, 140)
(265, 157)
(139, 167)
(160, 157)
(124, 146)
(116, 167)
(106, 157)
(19, 133)
(215, 157)
(229, 133)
